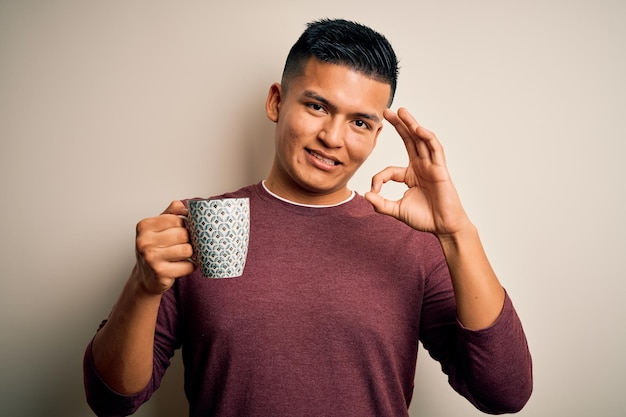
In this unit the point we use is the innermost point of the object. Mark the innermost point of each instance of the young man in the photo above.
(338, 288)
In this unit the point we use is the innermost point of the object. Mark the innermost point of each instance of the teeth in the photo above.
(321, 158)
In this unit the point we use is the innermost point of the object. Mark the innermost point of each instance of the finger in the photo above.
(414, 129)
(404, 133)
(382, 205)
(169, 269)
(180, 269)
(177, 253)
(149, 240)
(408, 119)
(412, 134)
(170, 253)
(176, 207)
(161, 260)
(159, 224)
(428, 146)
(396, 174)
(172, 236)
(397, 122)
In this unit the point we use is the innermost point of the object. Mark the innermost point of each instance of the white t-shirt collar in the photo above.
(352, 194)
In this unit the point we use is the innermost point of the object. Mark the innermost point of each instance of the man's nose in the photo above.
(332, 133)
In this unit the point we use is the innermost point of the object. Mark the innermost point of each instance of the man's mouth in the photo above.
(323, 158)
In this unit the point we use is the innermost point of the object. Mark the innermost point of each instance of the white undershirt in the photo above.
(352, 194)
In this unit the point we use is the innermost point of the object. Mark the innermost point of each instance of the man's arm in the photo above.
(478, 293)
(486, 356)
(123, 349)
(432, 204)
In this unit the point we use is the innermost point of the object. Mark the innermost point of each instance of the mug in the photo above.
(219, 232)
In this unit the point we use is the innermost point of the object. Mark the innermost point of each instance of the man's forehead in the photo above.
(329, 80)
(314, 63)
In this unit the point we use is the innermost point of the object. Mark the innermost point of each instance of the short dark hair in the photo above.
(343, 42)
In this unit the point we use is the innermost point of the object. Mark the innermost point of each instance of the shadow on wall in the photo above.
(50, 382)
(257, 139)
(170, 399)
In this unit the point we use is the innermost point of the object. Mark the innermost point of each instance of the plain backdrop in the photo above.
(111, 109)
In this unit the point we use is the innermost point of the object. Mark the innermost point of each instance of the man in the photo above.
(338, 288)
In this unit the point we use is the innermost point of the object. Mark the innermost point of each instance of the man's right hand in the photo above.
(123, 348)
(163, 250)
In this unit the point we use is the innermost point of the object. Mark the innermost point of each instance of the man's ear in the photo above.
(272, 104)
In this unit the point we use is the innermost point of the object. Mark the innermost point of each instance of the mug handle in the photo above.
(193, 259)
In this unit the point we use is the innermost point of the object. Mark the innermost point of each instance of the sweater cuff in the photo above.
(102, 399)
(503, 320)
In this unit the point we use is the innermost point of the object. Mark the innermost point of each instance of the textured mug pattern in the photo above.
(219, 234)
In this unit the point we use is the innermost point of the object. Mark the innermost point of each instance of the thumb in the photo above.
(381, 204)
(176, 207)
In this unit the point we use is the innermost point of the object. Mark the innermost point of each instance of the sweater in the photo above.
(325, 321)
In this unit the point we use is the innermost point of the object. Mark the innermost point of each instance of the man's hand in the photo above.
(431, 204)
(163, 249)
(123, 348)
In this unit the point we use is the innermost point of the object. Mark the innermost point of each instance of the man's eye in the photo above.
(316, 107)
(361, 124)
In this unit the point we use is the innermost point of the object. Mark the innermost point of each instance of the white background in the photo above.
(111, 109)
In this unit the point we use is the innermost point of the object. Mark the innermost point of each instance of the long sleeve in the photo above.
(492, 367)
(106, 402)
(499, 377)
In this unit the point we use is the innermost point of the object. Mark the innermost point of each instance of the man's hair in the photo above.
(342, 42)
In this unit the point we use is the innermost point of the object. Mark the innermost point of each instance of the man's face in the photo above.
(327, 122)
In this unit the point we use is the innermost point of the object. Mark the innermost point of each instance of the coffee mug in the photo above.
(219, 232)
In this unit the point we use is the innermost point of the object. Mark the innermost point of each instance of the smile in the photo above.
(322, 158)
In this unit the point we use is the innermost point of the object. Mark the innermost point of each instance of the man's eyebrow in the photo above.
(368, 116)
(313, 95)
(317, 97)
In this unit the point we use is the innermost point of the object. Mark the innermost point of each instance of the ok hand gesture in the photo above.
(431, 203)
